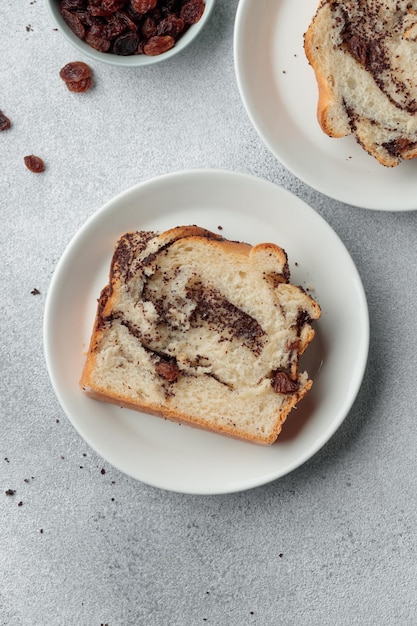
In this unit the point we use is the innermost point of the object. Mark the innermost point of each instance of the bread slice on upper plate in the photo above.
(364, 55)
(203, 330)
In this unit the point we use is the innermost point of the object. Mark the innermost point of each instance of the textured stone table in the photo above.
(81, 544)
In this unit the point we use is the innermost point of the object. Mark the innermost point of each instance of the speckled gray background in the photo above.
(334, 542)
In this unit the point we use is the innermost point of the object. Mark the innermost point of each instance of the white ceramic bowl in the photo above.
(135, 60)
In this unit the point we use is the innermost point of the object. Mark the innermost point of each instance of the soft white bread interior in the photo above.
(364, 55)
(202, 330)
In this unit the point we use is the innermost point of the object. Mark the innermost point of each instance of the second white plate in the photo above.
(279, 91)
(180, 458)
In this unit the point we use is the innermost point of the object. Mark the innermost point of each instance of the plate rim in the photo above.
(109, 207)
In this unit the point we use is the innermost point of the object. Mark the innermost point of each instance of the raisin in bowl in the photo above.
(130, 33)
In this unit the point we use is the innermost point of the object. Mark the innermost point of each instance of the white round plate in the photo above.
(240, 207)
(279, 92)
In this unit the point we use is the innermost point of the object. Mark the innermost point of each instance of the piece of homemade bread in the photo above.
(364, 55)
(202, 330)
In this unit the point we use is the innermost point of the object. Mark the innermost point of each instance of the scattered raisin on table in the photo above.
(34, 163)
(127, 27)
(77, 76)
(77, 70)
(80, 86)
(4, 121)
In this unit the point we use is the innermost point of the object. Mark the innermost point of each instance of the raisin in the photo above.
(155, 14)
(4, 121)
(143, 6)
(192, 11)
(80, 86)
(87, 19)
(34, 163)
(74, 23)
(282, 383)
(98, 29)
(114, 27)
(168, 370)
(149, 28)
(113, 5)
(158, 45)
(101, 44)
(75, 71)
(73, 4)
(140, 48)
(100, 12)
(171, 25)
(117, 24)
(170, 6)
(126, 45)
(358, 48)
(77, 76)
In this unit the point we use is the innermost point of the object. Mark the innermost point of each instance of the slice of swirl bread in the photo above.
(364, 55)
(202, 330)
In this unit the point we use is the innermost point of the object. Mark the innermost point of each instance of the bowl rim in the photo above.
(133, 60)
